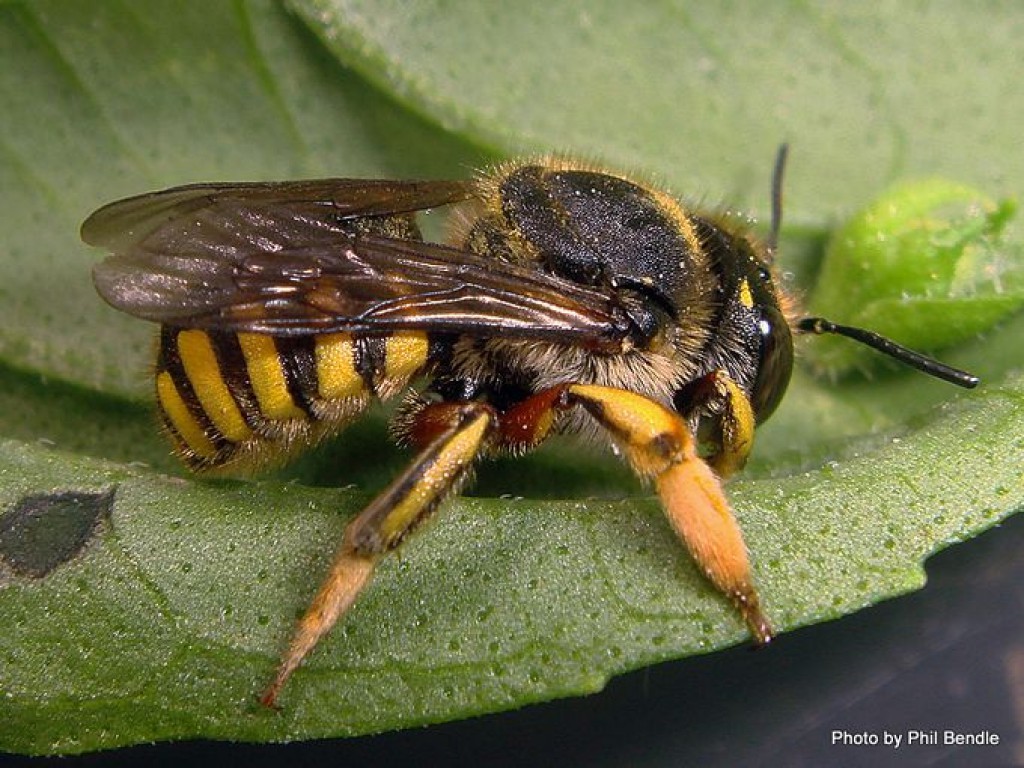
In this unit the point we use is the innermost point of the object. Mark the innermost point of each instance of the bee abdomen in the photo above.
(242, 401)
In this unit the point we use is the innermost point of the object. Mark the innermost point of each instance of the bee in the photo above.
(567, 299)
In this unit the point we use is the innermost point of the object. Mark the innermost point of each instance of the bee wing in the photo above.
(279, 259)
(182, 210)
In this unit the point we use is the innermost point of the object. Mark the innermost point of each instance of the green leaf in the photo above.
(925, 263)
(506, 602)
(700, 94)
(169, 620)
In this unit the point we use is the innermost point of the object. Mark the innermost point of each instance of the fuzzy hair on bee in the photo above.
(565, 299)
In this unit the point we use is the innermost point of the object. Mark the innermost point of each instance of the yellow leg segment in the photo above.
(349, 573)
(736, 423)
(716, 397)
(659, 445)
(437, 471)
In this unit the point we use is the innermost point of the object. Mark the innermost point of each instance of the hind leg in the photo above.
(460, 433)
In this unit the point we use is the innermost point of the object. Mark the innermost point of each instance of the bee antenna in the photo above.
(929, 365)
(777, 176)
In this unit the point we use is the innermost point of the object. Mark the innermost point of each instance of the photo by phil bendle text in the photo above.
(912, 738)
(568, 299)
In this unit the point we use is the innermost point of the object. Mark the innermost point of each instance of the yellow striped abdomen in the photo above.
(241, 401)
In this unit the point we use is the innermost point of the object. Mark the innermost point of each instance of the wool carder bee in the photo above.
(567, 299)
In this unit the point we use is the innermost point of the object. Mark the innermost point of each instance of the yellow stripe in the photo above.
(200, 363)
(181, 419)
(746, 297)
(651, 436)
(267, 377)
(738, 422)
(335, 366)
(405, 354)
(675, 211)
(460, 449)
(629, 415)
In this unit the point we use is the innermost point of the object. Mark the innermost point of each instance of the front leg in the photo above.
(732, 418)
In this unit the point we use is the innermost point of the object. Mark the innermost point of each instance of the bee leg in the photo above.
(459, 433)
(732, 417)
(659, 445)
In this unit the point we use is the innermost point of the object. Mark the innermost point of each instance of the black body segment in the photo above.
(596, 229)
(608, 232)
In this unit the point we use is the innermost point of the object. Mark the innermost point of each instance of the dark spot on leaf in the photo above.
(42, 531)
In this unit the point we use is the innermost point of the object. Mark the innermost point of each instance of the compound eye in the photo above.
(775, 363)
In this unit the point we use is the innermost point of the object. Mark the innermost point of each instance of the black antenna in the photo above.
(777, 175)
(932, 367)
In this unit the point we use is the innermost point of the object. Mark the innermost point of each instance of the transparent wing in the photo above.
(283, 259)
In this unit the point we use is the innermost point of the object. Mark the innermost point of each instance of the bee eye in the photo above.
(775, 364)
(764, 274)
